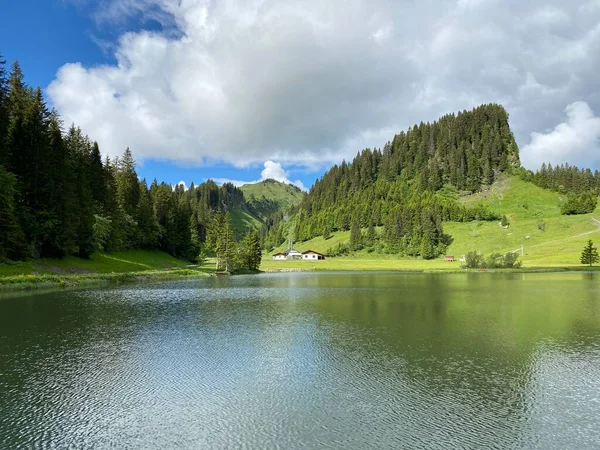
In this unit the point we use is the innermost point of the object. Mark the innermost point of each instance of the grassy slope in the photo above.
(243, 221)
(118, 262)
(284, 194)
(525, 205)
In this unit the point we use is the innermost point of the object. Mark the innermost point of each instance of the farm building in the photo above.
(292, 253)
(313, 256)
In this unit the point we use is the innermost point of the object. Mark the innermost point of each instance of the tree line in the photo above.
(59, 197)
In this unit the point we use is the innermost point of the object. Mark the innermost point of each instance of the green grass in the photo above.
(285, 195)
(525, 205)
(117, 267)
(117, 262)
(243, 222)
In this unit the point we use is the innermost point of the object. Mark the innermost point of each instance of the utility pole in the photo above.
(522, 251)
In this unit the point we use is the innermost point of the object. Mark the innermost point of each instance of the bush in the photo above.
(579, 204)
(541, 225)
(475, 260)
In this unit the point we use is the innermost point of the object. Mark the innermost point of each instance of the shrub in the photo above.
(475, 260)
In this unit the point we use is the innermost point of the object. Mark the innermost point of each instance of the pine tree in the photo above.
(227, 245)
(251, 252)
(128, 191)
(589, 255)
(3, 109)
(371, 233)
(11, 240)
(355, 235)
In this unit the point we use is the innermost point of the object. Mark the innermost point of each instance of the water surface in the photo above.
(306, 360)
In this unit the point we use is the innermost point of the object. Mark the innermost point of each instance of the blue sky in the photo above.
(243, 90)
(44, 35)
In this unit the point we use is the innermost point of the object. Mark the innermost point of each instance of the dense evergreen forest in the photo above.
(59, 197)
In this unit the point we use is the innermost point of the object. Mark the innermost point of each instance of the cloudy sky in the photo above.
(247, 89)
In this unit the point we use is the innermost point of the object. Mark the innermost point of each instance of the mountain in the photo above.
(269, 196)
(408, 199)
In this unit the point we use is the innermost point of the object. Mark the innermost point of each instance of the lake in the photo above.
(306, 360)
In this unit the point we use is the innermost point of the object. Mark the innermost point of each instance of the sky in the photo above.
(245, 90)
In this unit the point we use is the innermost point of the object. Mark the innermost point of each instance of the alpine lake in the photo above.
(306, 360)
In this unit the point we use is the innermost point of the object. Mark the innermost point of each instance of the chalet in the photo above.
(312, 256)
(449, 258)
(292, 253)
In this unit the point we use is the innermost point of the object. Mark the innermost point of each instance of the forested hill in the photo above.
(59, 197)
(404, 186)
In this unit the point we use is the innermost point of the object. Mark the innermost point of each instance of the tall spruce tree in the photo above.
(589, 255)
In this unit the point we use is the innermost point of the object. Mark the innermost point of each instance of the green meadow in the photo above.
(545, 237)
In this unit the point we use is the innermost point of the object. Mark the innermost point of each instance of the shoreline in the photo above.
(51, 282)
(20, 283)
(558, 269)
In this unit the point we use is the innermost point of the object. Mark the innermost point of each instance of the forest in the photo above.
(59, 197)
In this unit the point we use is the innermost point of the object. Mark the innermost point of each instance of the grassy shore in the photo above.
(118, 267)
(403, 265)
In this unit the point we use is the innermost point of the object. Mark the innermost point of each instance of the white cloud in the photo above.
(575, 141)
(272, 170)
(312, 82)
(181, 183)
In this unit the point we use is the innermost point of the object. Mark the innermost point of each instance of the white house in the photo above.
(313, 256)
(287, 255)
(292, 253)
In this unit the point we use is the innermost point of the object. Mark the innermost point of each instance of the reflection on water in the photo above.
(306, 360)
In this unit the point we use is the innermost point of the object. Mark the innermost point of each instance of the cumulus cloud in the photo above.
(182, 184)
(312, 82)
(575, 141)
(272, 171)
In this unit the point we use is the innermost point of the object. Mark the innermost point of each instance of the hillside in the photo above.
(548, 238)
(269, 196)
(411, 186)
(117, 262)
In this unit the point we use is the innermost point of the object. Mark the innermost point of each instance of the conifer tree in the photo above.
(251, 252)
(355, 235)
(589, 255)
(3, 109)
